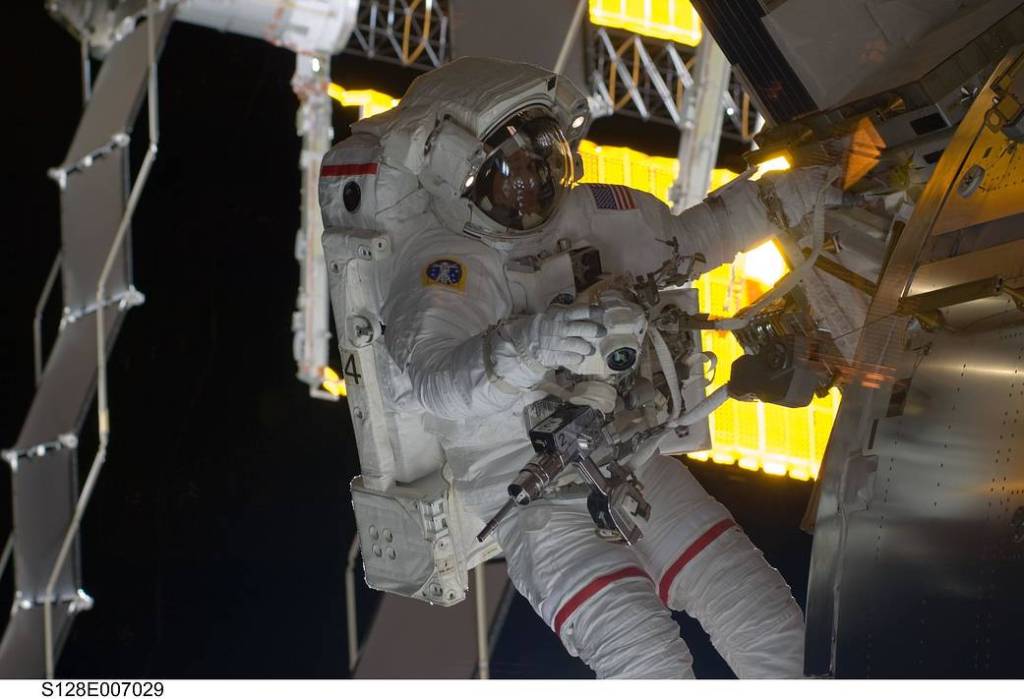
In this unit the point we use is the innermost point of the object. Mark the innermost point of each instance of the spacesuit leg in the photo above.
(703, 563)
(594, 594)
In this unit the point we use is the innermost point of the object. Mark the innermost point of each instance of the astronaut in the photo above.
(473, 175)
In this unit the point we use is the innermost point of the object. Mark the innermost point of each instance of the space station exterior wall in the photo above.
(874, 45)
(937, 512)
(918, 556)
(305, 26)
(800, 57)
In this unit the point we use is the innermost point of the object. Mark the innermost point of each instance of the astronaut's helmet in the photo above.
(493, 144)
(527, 171)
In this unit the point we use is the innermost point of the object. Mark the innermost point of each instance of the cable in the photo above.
(668, 368)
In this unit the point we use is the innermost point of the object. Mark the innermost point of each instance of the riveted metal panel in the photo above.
(934, 553)
(918, 554)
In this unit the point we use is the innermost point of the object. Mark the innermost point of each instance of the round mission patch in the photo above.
(446, 273)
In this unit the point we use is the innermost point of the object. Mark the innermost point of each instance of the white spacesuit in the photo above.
(472, 175)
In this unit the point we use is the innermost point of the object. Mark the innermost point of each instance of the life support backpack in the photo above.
(408, 525)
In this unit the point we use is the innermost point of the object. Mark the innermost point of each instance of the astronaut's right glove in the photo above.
(792, 195)
(520, 351)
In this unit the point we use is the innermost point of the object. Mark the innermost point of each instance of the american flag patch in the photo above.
(612, 196)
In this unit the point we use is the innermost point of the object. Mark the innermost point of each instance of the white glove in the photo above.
(798, 191)
(524, 349)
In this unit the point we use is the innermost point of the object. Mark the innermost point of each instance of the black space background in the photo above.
(215, 542)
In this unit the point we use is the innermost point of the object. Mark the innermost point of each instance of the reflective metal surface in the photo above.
(96, 168)
(1005, 260)
(993, 186)
(918, 555)
(21, 651)
(933, 559)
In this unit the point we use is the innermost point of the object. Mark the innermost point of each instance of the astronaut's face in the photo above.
(527, 172)
(521, 185)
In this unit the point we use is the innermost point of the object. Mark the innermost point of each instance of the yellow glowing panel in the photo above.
(370, 102)
(763, 265)
(773, 165)
(333, 383)
(756, 436)
(671, 20)
(648, 173)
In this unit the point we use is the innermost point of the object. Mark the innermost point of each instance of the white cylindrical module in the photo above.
(304, 26)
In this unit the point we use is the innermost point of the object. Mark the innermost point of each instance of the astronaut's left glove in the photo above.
(791, 196)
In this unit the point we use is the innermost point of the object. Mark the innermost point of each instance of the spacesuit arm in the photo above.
(457, 377)
(735, 218)
(436, 328)
(743, 214)
(449, 328)
(450, 379)
(724, 224)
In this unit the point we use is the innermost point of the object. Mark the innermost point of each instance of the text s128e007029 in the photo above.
(102, 688)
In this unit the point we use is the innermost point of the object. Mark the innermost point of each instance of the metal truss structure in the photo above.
(648, 78)
(629, 73)
(412, 33)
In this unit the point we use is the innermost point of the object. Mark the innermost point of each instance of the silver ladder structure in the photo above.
(95, 269)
